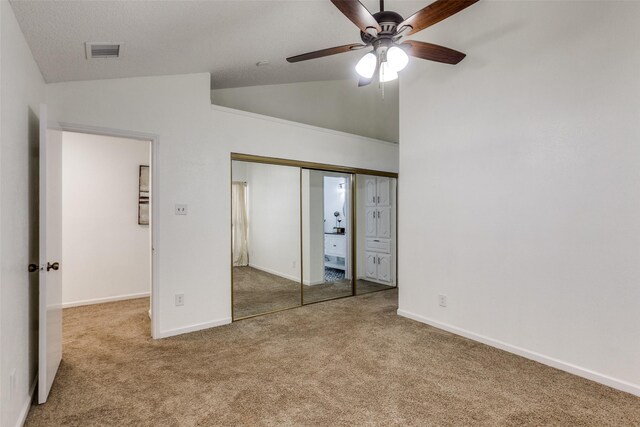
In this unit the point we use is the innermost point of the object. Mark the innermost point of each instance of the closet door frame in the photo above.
(353, 236)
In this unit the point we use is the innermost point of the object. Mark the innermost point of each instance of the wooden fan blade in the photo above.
(325, 52)
(359, 15)
(432, 52)
(434, 13)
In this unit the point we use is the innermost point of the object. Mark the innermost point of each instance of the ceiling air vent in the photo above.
(103, 50)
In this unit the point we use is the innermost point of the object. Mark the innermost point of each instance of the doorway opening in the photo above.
(106, 225)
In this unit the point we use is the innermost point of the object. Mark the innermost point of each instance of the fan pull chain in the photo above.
(381, 77)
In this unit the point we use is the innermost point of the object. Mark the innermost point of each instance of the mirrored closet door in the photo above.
(376, 234)
(327, 233)
(265, 217)
(302, 233)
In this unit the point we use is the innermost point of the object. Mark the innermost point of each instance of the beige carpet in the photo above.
(258, 292)
(346, 362)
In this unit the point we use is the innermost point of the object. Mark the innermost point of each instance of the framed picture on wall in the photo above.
(144, 190)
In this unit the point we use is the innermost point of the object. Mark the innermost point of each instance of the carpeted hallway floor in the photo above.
(346, 362)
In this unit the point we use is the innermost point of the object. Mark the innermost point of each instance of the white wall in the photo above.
(22, 90)
(339, 105)
(273, 194)
(334, 200)
(312, 226)
(520, 194)
(195, 141)
(106, 253)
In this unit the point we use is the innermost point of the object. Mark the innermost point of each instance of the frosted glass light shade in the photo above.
(397, 58)
(367, 65)
(386, 73)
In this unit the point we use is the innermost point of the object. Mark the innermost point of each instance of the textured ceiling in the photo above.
(225, 38)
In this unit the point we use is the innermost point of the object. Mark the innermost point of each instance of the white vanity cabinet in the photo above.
(335, 251)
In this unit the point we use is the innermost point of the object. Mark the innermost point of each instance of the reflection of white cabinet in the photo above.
(383, 189)
(377, 191)
(371, 265)
(378, 267)
(384, 268)
(378, 222)
(335, 251)
(371, 222)
(383, 223)
(370, 191)
(335, 244)
(378, 258)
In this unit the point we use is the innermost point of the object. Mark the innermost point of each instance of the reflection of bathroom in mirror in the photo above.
(265, 238)
(376, 242)
(301, 236)
(326, 235)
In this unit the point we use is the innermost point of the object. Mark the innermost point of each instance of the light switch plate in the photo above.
(181, 209)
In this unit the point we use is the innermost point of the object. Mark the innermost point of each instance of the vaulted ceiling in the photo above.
(225, 38)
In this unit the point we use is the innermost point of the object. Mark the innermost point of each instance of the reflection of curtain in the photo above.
(240, 224)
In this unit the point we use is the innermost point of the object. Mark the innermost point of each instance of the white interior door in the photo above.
(50, 308)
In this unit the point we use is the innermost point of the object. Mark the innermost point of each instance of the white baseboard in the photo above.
(532, 355)
(276, 273)
(316, 282)
(103, 300)
(22, 416)
(194, 328)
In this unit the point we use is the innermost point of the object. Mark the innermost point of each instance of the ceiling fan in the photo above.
(384, 32)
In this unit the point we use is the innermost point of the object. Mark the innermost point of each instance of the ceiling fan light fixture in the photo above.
(397, 58)
(367, 65)
(387, 74)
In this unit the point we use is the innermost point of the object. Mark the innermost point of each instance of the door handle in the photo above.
(55, 266)
(33, 268)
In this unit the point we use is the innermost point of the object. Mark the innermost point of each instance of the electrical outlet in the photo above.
(293, 265)
(442, 300)
(179, 300)
(181, 209)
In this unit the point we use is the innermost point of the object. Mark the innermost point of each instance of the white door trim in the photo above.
(155, 211)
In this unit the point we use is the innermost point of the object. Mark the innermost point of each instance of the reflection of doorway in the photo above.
(326, 235)
(106, 232)
(336, 259)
